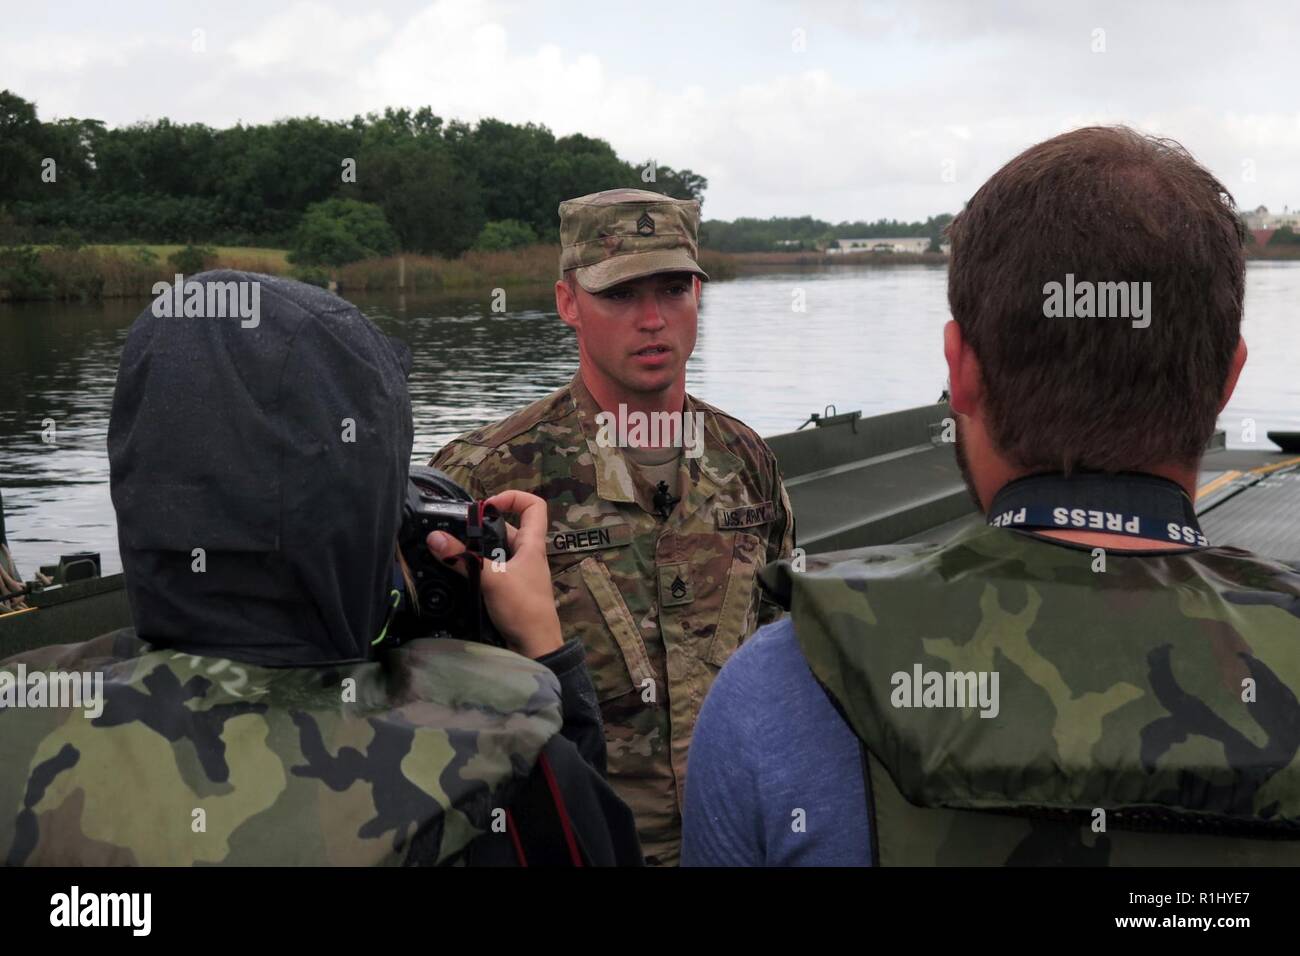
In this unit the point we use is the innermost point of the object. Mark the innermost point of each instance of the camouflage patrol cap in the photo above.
(620, 234)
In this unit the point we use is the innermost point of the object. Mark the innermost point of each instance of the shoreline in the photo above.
(91, 273)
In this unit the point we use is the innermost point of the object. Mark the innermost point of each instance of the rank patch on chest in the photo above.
(596, 538)
(746, 516)
(675, 584)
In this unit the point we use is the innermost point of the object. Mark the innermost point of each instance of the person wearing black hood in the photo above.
(253, 715)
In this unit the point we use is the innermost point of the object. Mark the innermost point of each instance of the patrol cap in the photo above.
(620, 234)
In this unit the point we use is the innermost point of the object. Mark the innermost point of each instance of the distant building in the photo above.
(905, 244)
(1261, 218)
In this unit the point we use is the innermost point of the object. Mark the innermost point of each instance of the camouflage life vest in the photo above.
(193, 760)
(1141, 714)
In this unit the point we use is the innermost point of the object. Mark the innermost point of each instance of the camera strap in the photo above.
(1129, 503)
(474, 566)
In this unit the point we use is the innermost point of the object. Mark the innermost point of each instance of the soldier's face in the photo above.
(636, 335)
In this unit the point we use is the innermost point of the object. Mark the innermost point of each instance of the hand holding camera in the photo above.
(475, 577)
(518, 598)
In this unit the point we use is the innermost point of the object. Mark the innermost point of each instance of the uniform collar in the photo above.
(614, 482)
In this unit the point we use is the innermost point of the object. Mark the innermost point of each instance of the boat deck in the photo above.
(859, 482)
(1251, 499)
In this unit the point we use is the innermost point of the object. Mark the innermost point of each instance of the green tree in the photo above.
(580, 165)
(193, 259)
(433, 204)
(438, 182)
(21, 274)
(174, 159)
(512, 164)
(679, 183)
(271, 174)
(764, 235)
(70, 144)
(11, 233)
(20, 148)
(338, 231)
(500, 234)
(525, 172)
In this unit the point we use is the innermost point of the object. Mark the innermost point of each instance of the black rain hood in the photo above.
(233, 437)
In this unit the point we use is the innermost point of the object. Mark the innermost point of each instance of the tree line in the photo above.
(337, 191)
(412, 179)
(805, 232)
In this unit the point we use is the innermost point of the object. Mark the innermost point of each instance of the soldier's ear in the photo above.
(566, 303)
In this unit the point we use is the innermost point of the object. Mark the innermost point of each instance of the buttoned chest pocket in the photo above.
(738, 613)
(592, 609)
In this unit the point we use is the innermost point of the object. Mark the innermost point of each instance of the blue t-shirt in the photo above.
(775, 775)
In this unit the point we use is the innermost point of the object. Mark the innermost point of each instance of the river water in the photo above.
(869, 338)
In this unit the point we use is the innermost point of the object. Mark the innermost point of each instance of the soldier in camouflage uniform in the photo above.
(654, 551)
(255, 714)
(1083, 680)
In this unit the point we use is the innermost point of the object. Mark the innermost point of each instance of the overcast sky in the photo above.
(837, 109)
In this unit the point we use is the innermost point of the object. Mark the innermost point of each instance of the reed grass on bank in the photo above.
(124, 271)
(110, 272)
(532, 265)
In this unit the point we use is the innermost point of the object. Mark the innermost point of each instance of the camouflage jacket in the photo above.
(660, 604)
(1133, 705)
(201, 760)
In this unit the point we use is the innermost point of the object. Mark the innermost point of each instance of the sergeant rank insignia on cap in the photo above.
(645, 225)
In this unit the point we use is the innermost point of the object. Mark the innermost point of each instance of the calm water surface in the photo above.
(870, 339)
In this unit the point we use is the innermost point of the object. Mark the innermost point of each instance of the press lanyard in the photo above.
(1130, 504)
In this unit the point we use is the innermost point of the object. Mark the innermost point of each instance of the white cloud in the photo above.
(861, 125)
(66, 57)
(309, 36)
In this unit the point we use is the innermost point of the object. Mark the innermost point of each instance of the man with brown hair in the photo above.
(662, 508)
(1084, 679)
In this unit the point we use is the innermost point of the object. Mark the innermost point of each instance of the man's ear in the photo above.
(965, 386)
(1234, 372)
(566, 303)
(699, 288)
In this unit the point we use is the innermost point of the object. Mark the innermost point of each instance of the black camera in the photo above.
(446, 603)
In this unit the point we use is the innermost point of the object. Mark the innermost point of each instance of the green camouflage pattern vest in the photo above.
(194, 760)
(1141, 714)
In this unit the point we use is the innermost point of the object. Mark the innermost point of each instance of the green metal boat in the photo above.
(857, 481)
(852, 481)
